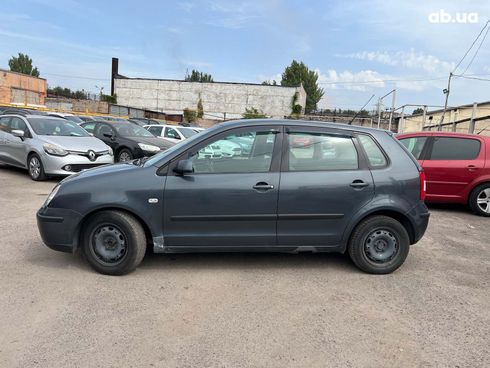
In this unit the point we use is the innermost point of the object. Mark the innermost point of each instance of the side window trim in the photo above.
(361, 158)
(276, 152)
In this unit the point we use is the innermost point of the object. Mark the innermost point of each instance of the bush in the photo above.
(190, 115)
(253, 113)
(200, 109)
(109, 98)
(296, 110)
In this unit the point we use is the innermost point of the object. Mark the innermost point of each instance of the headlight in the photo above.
(51, 196)
(110, 151)
(149, 147)
(54, 150)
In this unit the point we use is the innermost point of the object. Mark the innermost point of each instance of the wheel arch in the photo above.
(481, 181)
(389, 212)
(86, 217)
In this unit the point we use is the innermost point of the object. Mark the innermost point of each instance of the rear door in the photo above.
(231, 199)
(18, 147)
(451, 164)
(5, 139)
(324, 180)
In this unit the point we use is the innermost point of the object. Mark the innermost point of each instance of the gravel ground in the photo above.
(242, 310)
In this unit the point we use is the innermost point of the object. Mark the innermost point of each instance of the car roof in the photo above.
(440, 134)
(309, 123)
(32, 116)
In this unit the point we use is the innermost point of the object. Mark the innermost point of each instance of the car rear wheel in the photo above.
(124, 155)
(35, 168)
(480, 200)
(379, 245)
(114, 242)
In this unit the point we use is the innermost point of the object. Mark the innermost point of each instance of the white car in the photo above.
(173, 133)
(70, 117)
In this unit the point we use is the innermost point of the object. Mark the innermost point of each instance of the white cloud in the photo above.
(186, 6)
(234, 15)
(406, 59)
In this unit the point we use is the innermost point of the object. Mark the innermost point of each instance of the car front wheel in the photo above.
(480, 200)
(125, 155)
(113, 242)
(35, 168)
(379, 245)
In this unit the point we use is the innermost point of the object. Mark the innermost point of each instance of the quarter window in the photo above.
(414, 145)
(374, 154)
(236, 153)
(448, 148)
(318, 152)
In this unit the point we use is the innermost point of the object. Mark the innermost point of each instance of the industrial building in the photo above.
(220, 100)
(22, 89)
(469, 118)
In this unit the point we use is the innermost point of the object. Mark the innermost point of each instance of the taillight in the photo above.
(423, 185)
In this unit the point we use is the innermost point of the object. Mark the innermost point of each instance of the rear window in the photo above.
(374, 154)
(448, 148)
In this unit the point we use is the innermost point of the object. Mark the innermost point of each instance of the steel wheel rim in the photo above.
(34, 167)
(124, 156)
(108, 245)
(381, 246)
(483, 200)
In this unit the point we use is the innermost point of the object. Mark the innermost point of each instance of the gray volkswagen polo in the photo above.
(294, 186)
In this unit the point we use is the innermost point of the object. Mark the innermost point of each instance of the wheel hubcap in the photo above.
(381, 246)
(108, 244)
(483, 200)
(34, 167)
(124, 156)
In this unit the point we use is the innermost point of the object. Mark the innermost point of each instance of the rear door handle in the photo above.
(358, 184)
(471, 167)
(263, 186)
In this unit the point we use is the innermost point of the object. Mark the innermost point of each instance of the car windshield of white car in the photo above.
(58, 127)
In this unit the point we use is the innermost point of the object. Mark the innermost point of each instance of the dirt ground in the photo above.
(242, 310)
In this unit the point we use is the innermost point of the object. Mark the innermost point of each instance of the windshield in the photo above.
(187, 132)
(131, 130)
(59, 127)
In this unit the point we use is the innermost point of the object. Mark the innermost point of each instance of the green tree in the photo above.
(200, 109)
(270, 83)
(190, 115)
(197, 76)
(253, 113)
(418, 110)
(23, 64)
(298, 73)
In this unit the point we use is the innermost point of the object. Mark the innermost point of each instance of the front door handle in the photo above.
(471, 167)
(263, 186)
(358, 184)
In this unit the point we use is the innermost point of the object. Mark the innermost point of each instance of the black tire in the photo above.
(379, 231)
(482, 193)
(124, 155)
(35, 168)
(126, 229)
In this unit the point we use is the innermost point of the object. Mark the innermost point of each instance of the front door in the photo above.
(451, 164)
(323, 182)
(231, 198)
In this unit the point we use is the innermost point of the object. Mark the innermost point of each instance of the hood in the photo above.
(109, 169)
(81, 144)
(161, 143)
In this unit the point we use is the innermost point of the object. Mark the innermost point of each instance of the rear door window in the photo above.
(4, 124)
(414, 145)
(171, 133)
(321, 152)
(155, 130)
(449, 148)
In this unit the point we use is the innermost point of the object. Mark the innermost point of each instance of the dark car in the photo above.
(456, 165)
(128, 141)
(86, 118)
(144, 121)
(363, 195)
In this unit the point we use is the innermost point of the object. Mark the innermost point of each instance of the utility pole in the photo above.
(392, 111)
(424, 116)
(471, 128)
(446, 92)
(379, 111)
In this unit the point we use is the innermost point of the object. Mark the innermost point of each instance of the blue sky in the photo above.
(359, 48)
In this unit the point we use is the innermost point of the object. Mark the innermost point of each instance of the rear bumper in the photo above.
(419, 216)
(59, 228)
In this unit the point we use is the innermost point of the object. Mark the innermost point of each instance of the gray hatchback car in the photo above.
(294, 186)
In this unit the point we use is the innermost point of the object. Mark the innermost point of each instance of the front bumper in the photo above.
(59, 228)
(57, 165)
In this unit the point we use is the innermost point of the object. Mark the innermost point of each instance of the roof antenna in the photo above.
(362, 108)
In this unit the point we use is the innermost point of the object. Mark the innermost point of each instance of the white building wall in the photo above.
(217, 98)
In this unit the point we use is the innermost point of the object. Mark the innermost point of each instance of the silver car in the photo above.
(46, 145)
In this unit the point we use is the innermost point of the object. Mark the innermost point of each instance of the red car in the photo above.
(456, 166)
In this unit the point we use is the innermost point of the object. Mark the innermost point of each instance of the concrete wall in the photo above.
(217, 98)
(21, 88)
(415, 123)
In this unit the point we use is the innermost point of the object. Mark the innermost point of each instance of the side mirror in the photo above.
(18, 133)
(184, 167)
(109, 135)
